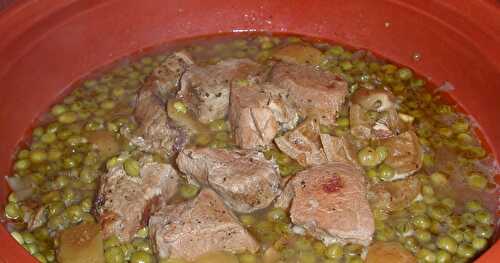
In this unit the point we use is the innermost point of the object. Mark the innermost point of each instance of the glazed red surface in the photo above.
(47, 45)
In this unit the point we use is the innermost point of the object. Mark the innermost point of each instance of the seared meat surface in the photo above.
(243, 178)
(330, 202)
(124, 202)
(204, 224)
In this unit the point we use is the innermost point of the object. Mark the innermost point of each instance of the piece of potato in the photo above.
(389, 252)
(217, 257)
(105, 143)
(81, 244)
(271, 256)
(299, 54)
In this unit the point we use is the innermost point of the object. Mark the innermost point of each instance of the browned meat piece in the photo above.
(330, 203)
(196, 227)
(245, 179)
(165, 78)
(405, 154)
(317, 93)
(257, 113)
(373, 114)
(124, 202)
(206, 88)
(303, 143)
(156, 133)
(395, 195)
(338, 149)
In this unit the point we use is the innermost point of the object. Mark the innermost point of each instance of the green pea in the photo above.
(276, 215)
(385, 172)
(479, 243)
(247, 258)
(54, 155)
(418, 208)
(438, 212)
(439, 179)
(473, 206)
(460, 126)
(114, 255)
(404, 73)
(354, 259)
(142, 233)
(468, 235)
(132, 167)
(477, 181)
(141, 257)
(180, 107)
(21, 165)
(48, 138)
(423, 236)
(303, 244)
(218, 125)
(141, 245)
(110, 242)
(427, 190)
(447, 243)
(74, 213)
(335, 51)
(448, 202)
(426, 255)
(12, 211)
(342, 122)
(443, 257)
(55, 208)
(68, 117)
(58, 109)
(189, 191)
(410, 243)
(368, 157)
(334, 251)
(484, 231)
(483, 217)
(457, 235)
(421, 222)
(247, 220)
(468, 218)
(381, 152)
(465, 251)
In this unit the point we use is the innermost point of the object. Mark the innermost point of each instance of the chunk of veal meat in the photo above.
(392, 196)
(316, 92)
(156, 134)
(373, 114)
(206, 89)
(405, 154)
(244, 178)
(196, 227)
(330, 203)
(166, 77)
(303, 143)
(123, 202)
(338, 149)
(258, 112)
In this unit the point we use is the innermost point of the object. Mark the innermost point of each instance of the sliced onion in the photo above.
(20, 186)
(17, 183)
